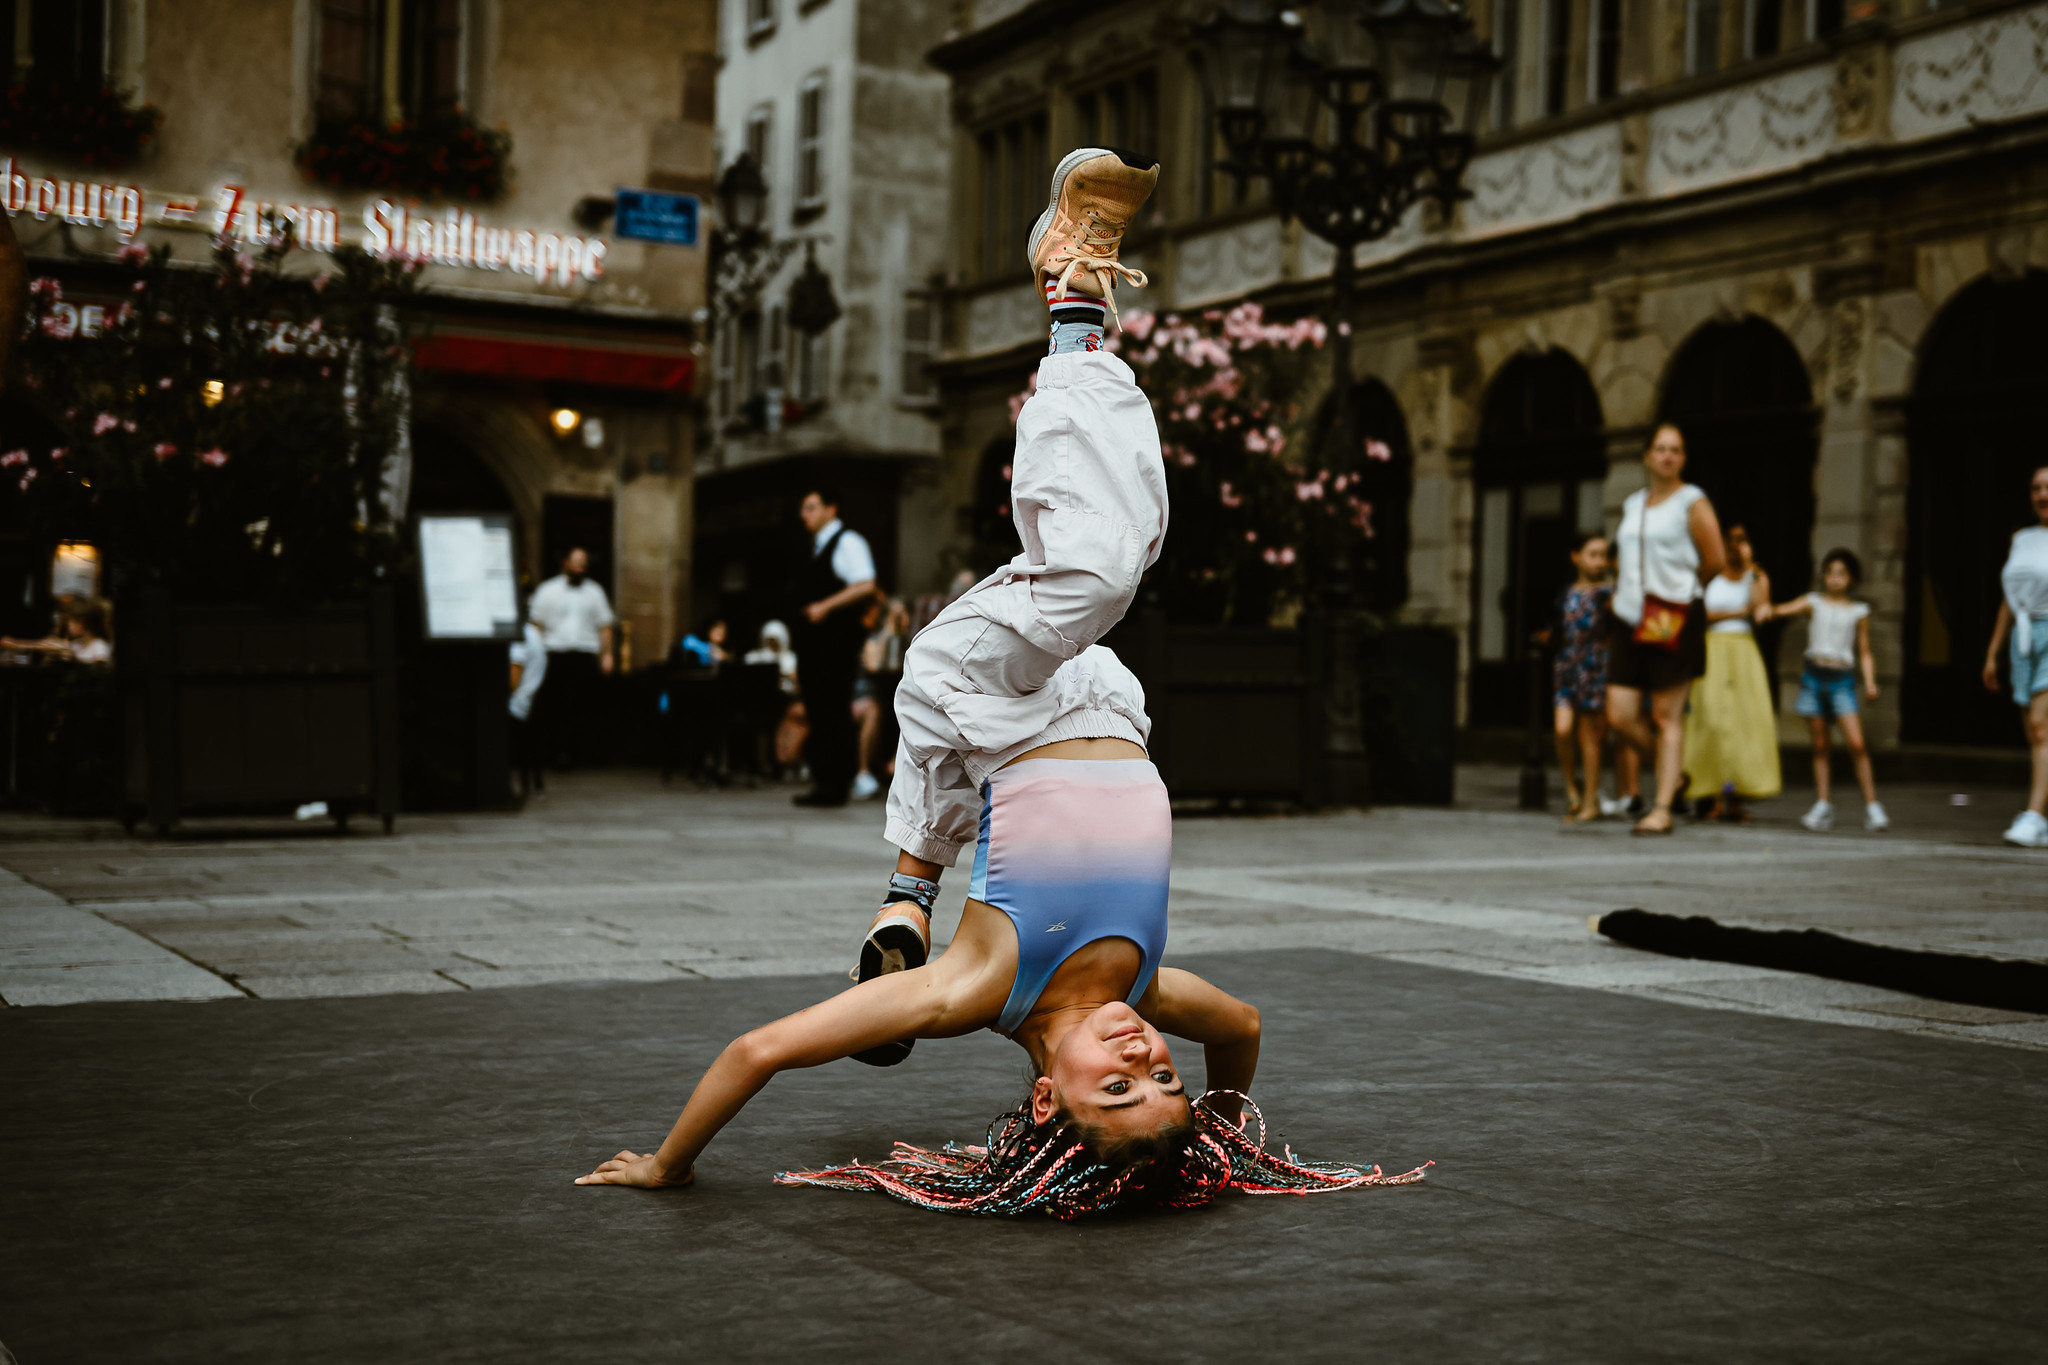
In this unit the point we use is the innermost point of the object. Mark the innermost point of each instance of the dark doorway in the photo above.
(1739, 393)
(1974, 438)
(570, 523)
(1538, 473)
(750, 544)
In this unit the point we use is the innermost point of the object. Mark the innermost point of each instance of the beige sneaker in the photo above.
(1096, 191)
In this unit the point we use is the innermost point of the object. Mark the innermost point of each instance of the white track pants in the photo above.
(1013, 663)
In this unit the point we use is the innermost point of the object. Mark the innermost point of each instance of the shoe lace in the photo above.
(1091, 249)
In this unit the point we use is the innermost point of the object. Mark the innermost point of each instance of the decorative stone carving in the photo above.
(1845, 347)
(1544, 182)
(1755, 129)
(1856, 78)
(1002, 318)
(1228, 262)
(1995, 68)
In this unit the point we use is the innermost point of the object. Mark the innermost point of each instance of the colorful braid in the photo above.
(1047, 1168)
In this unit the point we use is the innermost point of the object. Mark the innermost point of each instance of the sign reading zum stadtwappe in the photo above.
(652, 216)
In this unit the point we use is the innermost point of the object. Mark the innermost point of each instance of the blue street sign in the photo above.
(654, 216)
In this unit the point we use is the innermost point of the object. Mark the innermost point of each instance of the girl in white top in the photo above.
(1669, 542)
(1837, 649)
(2024, 613)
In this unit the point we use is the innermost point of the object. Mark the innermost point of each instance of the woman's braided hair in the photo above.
(1055, 1168)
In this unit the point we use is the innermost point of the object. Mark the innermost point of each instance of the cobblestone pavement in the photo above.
(612, 877)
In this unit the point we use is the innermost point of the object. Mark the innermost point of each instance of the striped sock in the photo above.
(1078, 320)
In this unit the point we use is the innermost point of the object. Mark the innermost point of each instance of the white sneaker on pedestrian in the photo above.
(1874, 818)
(2029, 830)
(864, 786)
(1820, 818)
(1611, 806)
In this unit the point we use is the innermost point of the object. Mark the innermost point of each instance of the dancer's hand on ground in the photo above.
(629, 1168)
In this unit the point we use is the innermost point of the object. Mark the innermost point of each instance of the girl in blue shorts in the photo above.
(1837, 657)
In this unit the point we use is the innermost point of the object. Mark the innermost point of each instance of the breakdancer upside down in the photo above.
(1024, 737)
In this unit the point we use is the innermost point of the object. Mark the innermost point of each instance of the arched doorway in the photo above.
(1538, 473)
(1974, 433)
(1740, 394)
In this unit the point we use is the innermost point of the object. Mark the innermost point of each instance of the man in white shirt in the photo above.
(833, 589)
(575, 620)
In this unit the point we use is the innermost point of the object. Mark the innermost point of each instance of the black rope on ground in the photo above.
(1993, 983)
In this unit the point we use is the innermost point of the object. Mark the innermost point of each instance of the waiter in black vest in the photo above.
(833, 588)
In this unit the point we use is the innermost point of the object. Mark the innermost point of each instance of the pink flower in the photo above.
(1018, 400)
(28, 477)
(1140, 325)
(1229, 496)
(139, 286)
(1007, 474)
(1307, 491)
(164, 383)
(135, 253)
(13, 457)
(45, 286)
(59, 452)
(1191, 411)
(215, 457)
(163, 450)
(1251, 537)
(129, 425)
(104, 423)
(1256, 442)
(1378, 450)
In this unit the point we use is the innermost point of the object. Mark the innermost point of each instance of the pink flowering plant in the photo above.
(1261, 507)
(220, 432)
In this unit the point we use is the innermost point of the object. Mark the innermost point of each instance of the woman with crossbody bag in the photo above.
(1668, 545)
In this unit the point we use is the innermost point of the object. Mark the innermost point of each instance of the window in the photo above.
(1766, 27)
(1702, 36)
(61, 40)
(1121, 114)
(1557, 54)
(760, 141)
(1507, 44)
(1013, 173)
(1824, 18)
(810, 145)
(760, 19)
(1603, 75)
(356, 81)
(920, 343)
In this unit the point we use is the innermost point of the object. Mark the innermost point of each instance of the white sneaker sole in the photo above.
(1059, 179)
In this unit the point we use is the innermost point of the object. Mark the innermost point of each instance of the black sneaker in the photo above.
(1637, 807)
(900, 943)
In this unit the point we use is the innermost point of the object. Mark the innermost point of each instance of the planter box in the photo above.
(1236, 713)
(252, 711)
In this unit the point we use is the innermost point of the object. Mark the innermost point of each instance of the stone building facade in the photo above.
(835, 102)
(558, 359)
(1809, 233)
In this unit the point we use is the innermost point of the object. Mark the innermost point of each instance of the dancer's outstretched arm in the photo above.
(1184, 1005)
(929, 1002)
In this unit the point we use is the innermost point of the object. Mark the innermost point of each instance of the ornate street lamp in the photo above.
(745, 256)
(1353, 112)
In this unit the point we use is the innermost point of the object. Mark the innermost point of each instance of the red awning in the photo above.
(617, 365)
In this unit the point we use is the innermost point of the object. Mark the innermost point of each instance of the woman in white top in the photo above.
(1731, 733)
(2024, 613)
(1668, 544)
(1837, 651)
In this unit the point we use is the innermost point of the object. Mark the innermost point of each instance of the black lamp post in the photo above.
(745, 256)
(1352, 111)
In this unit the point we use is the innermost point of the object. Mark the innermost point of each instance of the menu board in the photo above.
(466, 577)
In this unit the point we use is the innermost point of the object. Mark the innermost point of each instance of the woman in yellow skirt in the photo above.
(1731, 733)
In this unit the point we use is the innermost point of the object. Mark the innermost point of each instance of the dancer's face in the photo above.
(1112, 1072)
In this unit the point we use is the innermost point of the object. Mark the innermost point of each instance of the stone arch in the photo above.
(1740, 392)
(506, 443)
(1539, 468)
(1973, 435)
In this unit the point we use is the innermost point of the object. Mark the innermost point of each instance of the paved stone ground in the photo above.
(613, 878)
(1618, 1179)
(1638, 1158)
